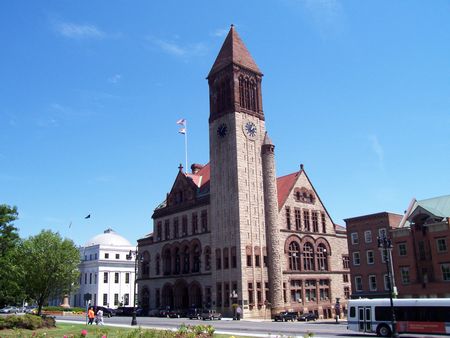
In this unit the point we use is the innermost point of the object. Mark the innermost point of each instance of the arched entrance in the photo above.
(181, 296)
(167, 296)
(195, 295)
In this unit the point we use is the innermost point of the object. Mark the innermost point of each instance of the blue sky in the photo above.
(90, 92)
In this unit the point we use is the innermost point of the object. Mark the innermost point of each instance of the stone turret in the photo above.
(271, 218)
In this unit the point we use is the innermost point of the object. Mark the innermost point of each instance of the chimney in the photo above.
(196, 168)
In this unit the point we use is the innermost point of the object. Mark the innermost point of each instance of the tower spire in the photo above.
(234, 81)
(233, 51)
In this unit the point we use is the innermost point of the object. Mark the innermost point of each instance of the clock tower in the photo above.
(236, 135)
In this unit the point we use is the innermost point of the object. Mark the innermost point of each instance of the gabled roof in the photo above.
(285, 185)
(438, 206)
(233, 51)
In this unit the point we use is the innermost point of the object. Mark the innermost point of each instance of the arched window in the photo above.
(248, 93)
(223, 92)
(196, 256)
(145, 264)
(308, 257)
(241, 92)
(294, 256)
(322, 260)
(207, 258)
(167, 259)
(186, 260)
(177, 268)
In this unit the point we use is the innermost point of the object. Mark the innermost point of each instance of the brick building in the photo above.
(420, 254)
(230, 232)
(367, 261)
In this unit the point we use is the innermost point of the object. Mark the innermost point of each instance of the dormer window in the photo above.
(304, 195)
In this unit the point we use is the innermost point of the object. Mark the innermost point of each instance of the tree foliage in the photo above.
(10, 291)
(51, 266)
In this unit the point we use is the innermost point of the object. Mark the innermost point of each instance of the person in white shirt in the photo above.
(99, 319)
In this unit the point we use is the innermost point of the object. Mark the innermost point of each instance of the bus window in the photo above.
(352, 311)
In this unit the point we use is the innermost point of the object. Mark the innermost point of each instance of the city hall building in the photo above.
(230, 232)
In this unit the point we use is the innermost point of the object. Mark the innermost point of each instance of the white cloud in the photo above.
(115, 78)
(220, 32)
(78, 31)
(180, 50)
(327, 15)
(377, 149)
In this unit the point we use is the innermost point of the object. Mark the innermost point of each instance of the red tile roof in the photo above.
(284, 183)
(284, 186)
(201, 178)
(234, 51)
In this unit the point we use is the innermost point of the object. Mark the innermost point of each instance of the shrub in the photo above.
(29, 322)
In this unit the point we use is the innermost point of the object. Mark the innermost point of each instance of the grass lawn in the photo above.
(74, 331)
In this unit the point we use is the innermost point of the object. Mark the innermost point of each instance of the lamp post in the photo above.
(385, 244)
(136, 259)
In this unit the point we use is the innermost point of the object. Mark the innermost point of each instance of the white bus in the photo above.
(413, 315)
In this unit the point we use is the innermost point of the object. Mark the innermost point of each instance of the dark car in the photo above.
(163, 313)
(107, 312)
(307, 316)
(285, 316)
(194, 313)
(176, 314)
(128, 311)
(211, 315)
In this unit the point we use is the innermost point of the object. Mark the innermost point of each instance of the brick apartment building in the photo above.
(420, 254)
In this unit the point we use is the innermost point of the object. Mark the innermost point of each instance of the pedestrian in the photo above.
(91, 316)
(99, 319)
(238, 313)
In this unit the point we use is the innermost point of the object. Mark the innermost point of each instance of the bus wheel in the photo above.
(383, 330)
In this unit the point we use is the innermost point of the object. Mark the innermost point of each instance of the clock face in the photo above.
(250, 129)
(222, 130)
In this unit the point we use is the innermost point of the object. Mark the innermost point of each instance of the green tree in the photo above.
(10, 291)
(51, 266)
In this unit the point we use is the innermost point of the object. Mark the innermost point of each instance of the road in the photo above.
(251, 328)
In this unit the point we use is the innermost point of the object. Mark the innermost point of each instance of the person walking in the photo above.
(99, 319)
(91, 316)
(238, 313)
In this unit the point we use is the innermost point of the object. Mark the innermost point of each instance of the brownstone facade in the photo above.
(231, 233)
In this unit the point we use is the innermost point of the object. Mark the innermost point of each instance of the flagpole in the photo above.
(185, 147)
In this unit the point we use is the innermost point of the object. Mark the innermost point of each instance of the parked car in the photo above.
(211, 315)
(31, 309)
(9, 309)
(284, 316)
(128, 311)
(154, 313)
(307, 316)
(176, 314)
(107, 312)
(194, 313)
(163, 312)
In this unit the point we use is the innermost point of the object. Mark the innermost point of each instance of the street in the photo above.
(253, 328)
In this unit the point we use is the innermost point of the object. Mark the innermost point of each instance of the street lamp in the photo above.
(385, 244)
(137, 259)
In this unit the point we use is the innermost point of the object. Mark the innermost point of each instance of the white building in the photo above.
(107, 272)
